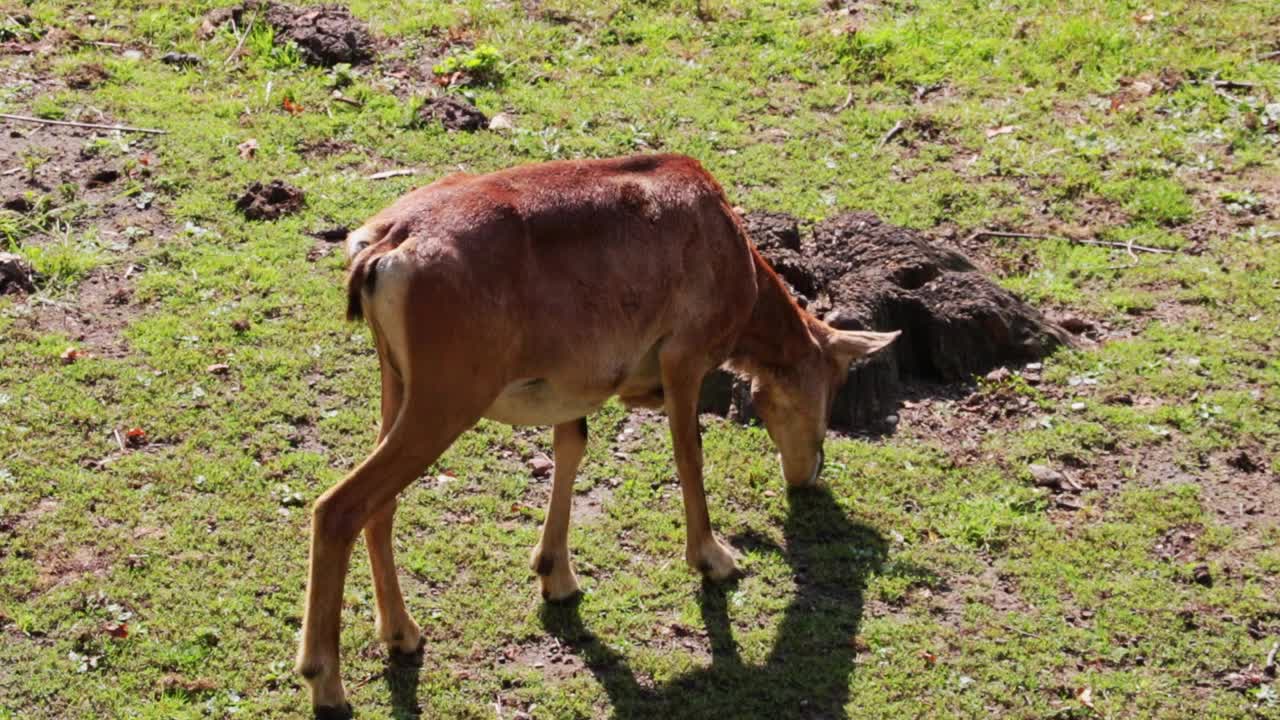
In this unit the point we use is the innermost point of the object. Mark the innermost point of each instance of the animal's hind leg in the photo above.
(395, 625)
(427, 424)
(550, 558)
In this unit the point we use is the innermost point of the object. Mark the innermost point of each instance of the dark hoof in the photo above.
(334, 712)
(401, 659)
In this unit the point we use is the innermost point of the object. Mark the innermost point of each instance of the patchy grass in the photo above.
(932, 578)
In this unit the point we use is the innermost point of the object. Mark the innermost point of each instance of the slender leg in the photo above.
(395, 626)
(550, 558)
(412, 444)
(681, 380)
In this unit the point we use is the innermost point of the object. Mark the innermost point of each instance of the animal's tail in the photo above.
(365, 246)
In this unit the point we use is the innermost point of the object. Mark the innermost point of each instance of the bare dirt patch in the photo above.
(93, 319)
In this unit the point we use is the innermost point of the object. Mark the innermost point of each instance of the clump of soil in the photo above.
(271, 201)
(16, 275)
(858, 273)
(325, 34)
(453, 113)
(89, 75)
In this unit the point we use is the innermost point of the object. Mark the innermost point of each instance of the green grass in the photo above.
(931, 579)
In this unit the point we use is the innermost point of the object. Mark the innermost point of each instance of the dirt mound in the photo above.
(858, 273)
(16, 275)
(270, 201)
(453, 113)
(325, 34)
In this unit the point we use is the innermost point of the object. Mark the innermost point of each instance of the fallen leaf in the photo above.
(71, 355)
(250, 147)
(218, 369)
(1002, 130)
(117, 630)
(928, 657)
(1085, 696)
(291, 107)
(1144, 18)
(136, 436)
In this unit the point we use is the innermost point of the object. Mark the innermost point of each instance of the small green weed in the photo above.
(483, 64)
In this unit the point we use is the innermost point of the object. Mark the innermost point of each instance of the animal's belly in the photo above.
(538, 402)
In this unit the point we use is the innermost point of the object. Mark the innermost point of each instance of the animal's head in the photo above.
(795, 402)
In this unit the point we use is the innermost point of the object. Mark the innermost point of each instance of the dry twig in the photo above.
(390, 174)
(100, 126)
(1127, 246)
(243, 36)
(893, 132)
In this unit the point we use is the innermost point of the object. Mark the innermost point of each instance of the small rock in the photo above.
(1077, 325)
(999, 374)
(1077, 406)
(180, 59)
(1202, 576)
(502, 122)
(1034, 367)
(1067, 502)
(131, 54)
(541, 465)
(1045, 476)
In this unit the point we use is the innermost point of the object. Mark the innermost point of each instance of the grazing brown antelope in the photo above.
(531, 296)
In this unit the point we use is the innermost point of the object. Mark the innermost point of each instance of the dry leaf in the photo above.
(1002, 130)
(1144, 18)
(71, 355)
(218, 369)
(117, 630)
(1085, 696)
(291, 107)
(136, 436)
(928, 657)
(250, 147)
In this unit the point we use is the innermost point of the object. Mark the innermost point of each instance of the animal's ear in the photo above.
(849, 345)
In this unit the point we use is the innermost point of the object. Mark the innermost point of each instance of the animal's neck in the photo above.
(778, 334)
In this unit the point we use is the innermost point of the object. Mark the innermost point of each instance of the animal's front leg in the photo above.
(550, 558)
(682, 379)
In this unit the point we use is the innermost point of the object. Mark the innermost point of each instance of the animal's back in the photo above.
(581, 266)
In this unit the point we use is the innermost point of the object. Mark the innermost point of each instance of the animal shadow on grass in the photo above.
(806, 675)
(402, 677)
